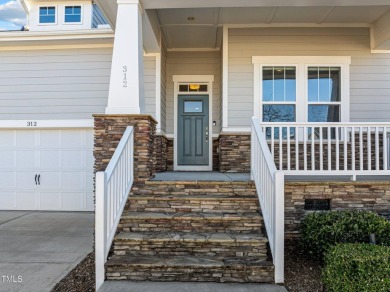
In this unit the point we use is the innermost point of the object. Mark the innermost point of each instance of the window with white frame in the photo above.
(324, 94)
(279, 93)
(72, 14)
(47, 15)
(302, 89)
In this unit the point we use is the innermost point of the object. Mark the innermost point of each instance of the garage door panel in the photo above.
(25, 138)
(7, 180)
(25, 180)
(89, 178)
(89, 139)
(49, 201)
(90, 201)
(75, 159)
(49, 139)
(7, 200)
(7, 139)
(73, 140)
(26, 200)
(25, 159)
(7, 159)
(73, 201)
(50, 159)
(73, 180)
(50, 180)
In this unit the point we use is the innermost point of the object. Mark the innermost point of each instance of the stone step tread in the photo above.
(186, 261)
(218, 237)
(200, 183)
(129, 215)
(192, 197)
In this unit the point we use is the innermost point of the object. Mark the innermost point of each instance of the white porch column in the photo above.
(126, 95)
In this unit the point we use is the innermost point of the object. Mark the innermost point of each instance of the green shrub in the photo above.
(357, 267)
(321, 230)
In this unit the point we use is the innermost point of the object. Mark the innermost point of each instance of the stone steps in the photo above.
(226, 188)
(189, 268)
(190, 222)
(191, 231)
(191, 244)
(193, 203)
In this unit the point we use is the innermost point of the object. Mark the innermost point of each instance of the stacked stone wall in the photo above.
(372, 196)
(109, 130)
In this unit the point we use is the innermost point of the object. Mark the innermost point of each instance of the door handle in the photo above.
(39, 179)
(36, 176)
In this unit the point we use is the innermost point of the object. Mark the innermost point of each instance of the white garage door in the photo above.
(46, 170)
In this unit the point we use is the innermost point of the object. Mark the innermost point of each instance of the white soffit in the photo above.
(164, 4)
(201, 30)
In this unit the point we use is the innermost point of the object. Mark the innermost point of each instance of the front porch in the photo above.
(320, 116)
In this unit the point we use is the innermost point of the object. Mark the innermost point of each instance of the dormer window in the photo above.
(47, 14)
(72, 14)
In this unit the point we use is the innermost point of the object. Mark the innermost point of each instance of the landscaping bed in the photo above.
(81, 278)
(302, 274)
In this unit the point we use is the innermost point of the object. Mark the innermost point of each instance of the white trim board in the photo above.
(45, 124)
(209, 79)
(301, 63)
(157, 88)
(225, 77)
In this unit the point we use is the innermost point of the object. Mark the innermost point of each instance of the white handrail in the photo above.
(112, 189)
(330, 148)
(270, 190)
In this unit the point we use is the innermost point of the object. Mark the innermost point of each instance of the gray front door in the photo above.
(193, 130)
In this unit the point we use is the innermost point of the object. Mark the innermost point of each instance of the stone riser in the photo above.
(257, 250)
(246, 189)
(234, 274)
(192, 205)
(245, 225)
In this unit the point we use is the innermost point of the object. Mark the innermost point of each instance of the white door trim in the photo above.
(207, 79)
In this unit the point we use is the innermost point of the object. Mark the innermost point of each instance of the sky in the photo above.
(12, 15)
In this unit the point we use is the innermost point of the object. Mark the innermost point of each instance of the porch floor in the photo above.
(227, 176)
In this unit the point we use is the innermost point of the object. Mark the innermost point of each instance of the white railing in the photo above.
(270, 189)
(112, 189)
(330, 148)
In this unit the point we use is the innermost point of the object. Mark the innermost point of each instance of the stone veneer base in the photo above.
(234, 152)
(109, 130)
(372, 196)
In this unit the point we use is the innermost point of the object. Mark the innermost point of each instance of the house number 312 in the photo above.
(32, 124)
(124, 76)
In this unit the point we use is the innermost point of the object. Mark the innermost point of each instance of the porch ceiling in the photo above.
(204, 31)
(201, 27)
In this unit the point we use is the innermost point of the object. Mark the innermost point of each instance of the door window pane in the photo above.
(324, 113)
(279, 84)
(278, 113)
(193, 107)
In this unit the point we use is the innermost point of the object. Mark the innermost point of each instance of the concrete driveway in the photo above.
(37, 249)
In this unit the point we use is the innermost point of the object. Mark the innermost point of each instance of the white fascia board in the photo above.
(73, 34)
(56, 35)
(26, 6)
(45, 124)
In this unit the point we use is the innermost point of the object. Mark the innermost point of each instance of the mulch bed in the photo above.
(302, 274)
(81, 278)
